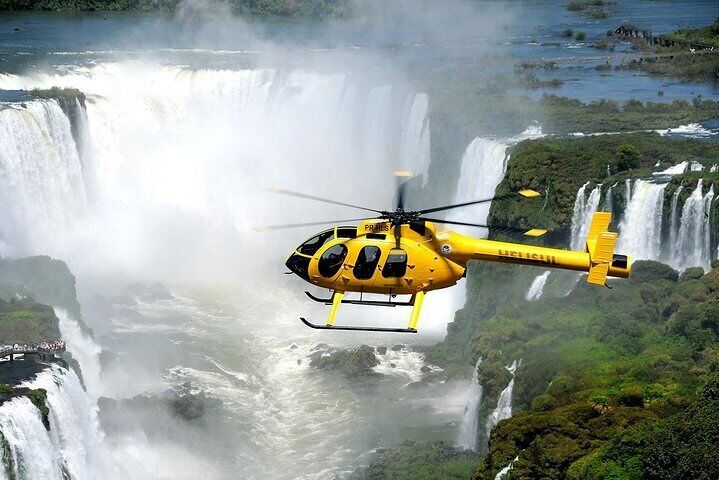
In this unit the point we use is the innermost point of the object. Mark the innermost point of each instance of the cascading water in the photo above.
(693, 242)
(72, 447)
(415, 136)
(483, 166)
(505, 471)
(640, 231)
(41, 180)
(167, 149)
(83, 349)
(504, 404)
(674, 220)
(584, 208)
(537, 287)
(468, 429)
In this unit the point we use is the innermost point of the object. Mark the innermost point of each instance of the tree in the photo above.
(628, 157)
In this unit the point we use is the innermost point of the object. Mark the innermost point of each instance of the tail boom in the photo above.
(598, 259)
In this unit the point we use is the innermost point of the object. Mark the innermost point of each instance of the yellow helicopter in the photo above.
(407, 253)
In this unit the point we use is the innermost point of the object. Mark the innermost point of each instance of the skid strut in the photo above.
(338, 299)
(371, 303)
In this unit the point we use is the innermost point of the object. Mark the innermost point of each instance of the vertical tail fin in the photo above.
(600, 245)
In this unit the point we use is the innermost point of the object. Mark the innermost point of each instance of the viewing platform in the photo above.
(43, 349)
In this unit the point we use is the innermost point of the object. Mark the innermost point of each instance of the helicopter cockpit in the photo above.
(330, 261)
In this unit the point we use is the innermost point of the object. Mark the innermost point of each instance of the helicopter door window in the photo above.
(396, 264)
(331, 260)
(311, 246)
(367, 261)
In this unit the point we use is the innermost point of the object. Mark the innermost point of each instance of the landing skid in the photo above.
(338, 299)
(358, 329)
(372, 303)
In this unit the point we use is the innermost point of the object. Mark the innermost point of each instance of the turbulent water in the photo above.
(155, 182)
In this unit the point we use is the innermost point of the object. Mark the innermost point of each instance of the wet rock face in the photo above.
(356, 362)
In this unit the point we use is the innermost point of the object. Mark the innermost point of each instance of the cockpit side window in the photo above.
(396, 264)
(331, 260)
(367, 261)
(311, 246)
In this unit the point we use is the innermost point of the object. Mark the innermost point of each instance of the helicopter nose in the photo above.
(299, 265)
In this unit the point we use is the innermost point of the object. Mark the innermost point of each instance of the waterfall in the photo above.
(483, 166)
(537, 287)
(73, 445)
(640, 231)
(584, 208)
(83, 349)
(164, 149)
(504, 404)
(415, 136)
(41, 181)
(609, 200)
(692, 247)
(505, 471)
(673, 222)
(468, 428)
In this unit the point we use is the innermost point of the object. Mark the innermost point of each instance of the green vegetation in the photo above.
(38, 398)
(702, 65)
(356, 362)
(602, 366)
(271, 7)
(562, 166)
(590, 8)
(581, 36)
(708, 35)
(423, 461)
(24, 321)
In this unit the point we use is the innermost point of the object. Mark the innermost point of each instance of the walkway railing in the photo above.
(42, 348)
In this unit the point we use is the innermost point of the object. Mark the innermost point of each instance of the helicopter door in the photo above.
(396, 264)
(331, 260)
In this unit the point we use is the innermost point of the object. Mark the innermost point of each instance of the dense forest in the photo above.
(274, 7)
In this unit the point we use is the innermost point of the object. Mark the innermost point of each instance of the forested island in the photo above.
(319, 8)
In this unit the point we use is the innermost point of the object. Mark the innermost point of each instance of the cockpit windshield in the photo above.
(311, 246)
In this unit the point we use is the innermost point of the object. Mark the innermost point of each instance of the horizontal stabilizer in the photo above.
(598, 274)
(529, 193)
(535, 232)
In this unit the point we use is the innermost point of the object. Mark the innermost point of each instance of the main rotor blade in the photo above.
(319, 199)
(530, 232)
(267, 228)
(522, 193)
